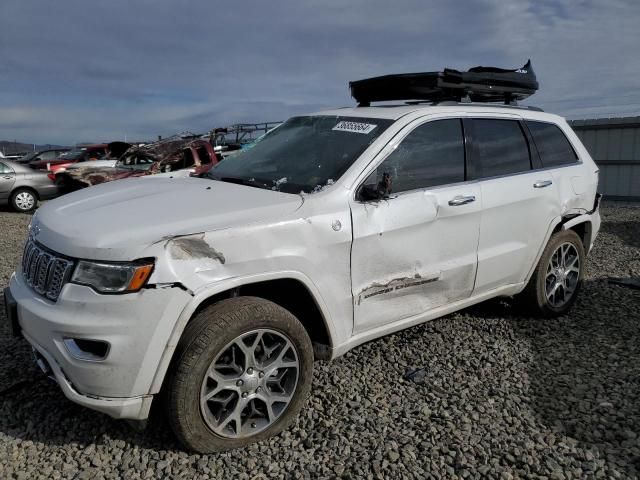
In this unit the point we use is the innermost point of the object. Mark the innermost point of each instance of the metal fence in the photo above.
(614, 143)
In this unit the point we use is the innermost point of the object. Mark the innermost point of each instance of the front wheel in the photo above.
(556, 281)
(242, 372)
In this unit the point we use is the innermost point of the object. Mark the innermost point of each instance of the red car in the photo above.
(171, 154)
(78, 154)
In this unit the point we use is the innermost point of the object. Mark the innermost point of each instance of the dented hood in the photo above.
(119, 220)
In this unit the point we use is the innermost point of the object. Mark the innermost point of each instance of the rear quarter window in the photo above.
(552, 144)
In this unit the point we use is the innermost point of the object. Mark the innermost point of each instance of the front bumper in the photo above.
(136, 408)
(136, 326)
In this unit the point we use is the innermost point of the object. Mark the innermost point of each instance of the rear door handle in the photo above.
(461, 200)
(542, 184)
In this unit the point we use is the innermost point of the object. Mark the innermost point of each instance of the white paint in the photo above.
(93, 164)
(515, 218)
(412, 237)
(372, 268)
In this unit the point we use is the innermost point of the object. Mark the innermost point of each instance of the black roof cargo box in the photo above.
(479, 84)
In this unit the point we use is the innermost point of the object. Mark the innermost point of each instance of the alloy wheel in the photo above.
(250, 383)
(563, 275)
(25, 201)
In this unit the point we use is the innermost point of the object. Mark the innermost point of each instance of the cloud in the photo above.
(78, 70)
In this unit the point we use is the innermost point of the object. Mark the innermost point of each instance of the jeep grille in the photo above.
(44, 271)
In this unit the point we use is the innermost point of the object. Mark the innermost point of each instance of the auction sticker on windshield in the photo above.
(354, 127)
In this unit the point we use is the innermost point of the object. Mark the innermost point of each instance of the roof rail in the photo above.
(446, 103)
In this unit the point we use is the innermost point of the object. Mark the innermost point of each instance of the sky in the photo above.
(82, 71)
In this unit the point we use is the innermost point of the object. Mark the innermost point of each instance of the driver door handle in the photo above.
(462, 200)
(542, 184)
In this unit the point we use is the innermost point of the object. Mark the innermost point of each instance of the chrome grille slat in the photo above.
(44, 271)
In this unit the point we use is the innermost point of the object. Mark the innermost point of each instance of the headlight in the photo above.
(112, 277)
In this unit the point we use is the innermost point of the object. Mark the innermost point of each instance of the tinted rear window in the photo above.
(501, 148)
(552, 144)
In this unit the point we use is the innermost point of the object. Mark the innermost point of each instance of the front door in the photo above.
(416, 250)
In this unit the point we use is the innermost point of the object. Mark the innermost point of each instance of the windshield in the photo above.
(304, 154)
(28, 157)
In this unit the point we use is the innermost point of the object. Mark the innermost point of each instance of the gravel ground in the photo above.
(501, 396)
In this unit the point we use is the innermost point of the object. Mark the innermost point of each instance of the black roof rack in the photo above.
(478, 84)
(446, 103)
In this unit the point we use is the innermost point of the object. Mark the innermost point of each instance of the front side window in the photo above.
(501, 148)
(304, 154)
(430, 156)
(73, 154)
(48, 155)
(5, 169)
(552, 144)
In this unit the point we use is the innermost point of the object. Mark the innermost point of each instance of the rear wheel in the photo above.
(242, 372)
(556, 281)
(24, 200)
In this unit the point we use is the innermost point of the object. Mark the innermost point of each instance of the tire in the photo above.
(535, 298)
(213, 335)
(24, 200)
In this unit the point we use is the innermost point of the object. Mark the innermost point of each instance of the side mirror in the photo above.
(381, 191)
(370, 193)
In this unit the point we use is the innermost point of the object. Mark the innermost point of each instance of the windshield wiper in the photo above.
(243, 181)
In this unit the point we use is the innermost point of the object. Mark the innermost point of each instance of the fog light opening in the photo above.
(89, 350)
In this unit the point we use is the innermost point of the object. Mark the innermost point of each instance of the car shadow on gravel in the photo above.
(584, 377)
(626, 231)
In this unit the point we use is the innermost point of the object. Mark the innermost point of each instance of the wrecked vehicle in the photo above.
(114, 151)
(168, 155)
(85, 153)
(227, 141)
(335, 229)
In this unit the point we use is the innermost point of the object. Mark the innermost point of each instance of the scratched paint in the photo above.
(193, 246)
(394, 285)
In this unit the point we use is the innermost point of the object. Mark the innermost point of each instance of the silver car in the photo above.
(22, 187)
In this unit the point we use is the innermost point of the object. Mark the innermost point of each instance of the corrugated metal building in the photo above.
(614, 143)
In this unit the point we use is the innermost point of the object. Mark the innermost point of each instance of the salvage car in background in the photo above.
(22, 187)
(46, 155)
(168, 155)
(79, 154)
(114, 151)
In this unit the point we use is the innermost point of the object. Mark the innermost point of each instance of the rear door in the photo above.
(518, 202)
(7, 180)
(416, 250)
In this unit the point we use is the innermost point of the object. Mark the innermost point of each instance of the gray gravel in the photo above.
(488, 394)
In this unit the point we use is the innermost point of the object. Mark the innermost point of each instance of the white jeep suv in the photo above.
(334, 229)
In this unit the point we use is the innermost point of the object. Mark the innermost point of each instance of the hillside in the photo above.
(10, 148)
